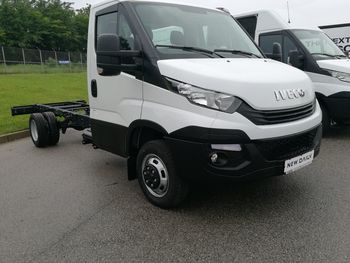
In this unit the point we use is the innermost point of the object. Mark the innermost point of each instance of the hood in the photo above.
(342, 65)
(256, 81)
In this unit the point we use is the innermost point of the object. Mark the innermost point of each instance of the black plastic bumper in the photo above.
(338, 106)
(260, 158)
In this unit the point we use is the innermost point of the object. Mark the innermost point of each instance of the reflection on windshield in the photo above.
(319, 44)
(170, 25)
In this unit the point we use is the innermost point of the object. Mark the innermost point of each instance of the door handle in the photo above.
(94, 88)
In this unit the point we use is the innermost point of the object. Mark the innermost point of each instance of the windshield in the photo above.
(319, 44)
(170, 26)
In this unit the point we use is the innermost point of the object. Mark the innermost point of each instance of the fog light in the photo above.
(214, 158)
(227, 147)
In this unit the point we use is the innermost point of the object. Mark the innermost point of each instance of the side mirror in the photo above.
(296, 59)
(277, 51)
(110, 56)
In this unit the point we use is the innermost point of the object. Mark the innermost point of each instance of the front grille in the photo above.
(287, 148)
(260, 117)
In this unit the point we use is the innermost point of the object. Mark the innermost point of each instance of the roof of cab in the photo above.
(272, 20)
(106, 2)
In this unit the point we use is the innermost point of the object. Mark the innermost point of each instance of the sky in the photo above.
(315, 12)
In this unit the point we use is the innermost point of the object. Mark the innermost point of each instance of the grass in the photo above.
(47, 68)
(26, 89)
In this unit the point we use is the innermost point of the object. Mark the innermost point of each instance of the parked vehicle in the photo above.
(184, 102)
(311, 50)
(340, 34)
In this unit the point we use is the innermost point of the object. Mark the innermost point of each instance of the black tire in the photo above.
(326, 121)
(54, 131)
(39, 130)
(177, 188)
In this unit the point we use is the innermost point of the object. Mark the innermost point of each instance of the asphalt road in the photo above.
(71, 203)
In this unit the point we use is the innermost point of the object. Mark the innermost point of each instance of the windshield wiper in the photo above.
(329, 55)
(240, 52)
(207, 52)
(341, 56)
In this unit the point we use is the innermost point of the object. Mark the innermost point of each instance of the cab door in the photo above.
(115, 97)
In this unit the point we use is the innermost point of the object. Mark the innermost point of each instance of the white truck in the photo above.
(340, 34)
(311, 50)
(185, 102)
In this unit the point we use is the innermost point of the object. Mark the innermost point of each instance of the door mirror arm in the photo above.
(120, 53)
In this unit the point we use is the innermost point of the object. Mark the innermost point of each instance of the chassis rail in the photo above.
(72, 114)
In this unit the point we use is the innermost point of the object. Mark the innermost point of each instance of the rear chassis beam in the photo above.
(74, 114)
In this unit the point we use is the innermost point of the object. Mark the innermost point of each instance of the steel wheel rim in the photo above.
(34, 130)
(152, 161)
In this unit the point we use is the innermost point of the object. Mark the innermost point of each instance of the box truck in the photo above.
(185, 95)
(340, 34)
(311, 50)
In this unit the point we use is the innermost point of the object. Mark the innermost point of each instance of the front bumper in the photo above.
(259, 158)
(338, 106)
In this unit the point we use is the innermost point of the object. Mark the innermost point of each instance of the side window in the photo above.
(114, 23)
(271, 45)
(249, 24)
(107, 24)
(127, 38)
(117, 24)
(288, 47)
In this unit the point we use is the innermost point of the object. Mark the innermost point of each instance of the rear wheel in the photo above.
(54, 131)
(157, 176)
(39, 130)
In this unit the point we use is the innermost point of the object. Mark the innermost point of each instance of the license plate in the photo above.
(299, 162)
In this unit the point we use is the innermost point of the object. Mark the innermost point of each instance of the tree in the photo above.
(50, 24)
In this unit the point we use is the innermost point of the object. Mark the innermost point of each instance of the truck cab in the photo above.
(182, 92)
(185, 95)
(311, 50)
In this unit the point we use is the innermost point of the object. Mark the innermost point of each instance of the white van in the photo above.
(185, 95)
(311, 50)
(340, 34)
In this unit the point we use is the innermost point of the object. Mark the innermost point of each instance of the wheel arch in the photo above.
(140, 132)
(140, 128)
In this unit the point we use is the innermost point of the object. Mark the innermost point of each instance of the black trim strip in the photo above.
(270, 117)
(335, 26)
(202, 134)
(109, 136)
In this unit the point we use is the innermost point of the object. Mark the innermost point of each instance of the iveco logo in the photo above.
(289, 94)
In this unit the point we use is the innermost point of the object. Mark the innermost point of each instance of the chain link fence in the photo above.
(21, 60)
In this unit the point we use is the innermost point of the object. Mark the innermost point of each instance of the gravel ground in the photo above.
(71, 203)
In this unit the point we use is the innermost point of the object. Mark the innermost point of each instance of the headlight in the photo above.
(340, 75)
(206, 98)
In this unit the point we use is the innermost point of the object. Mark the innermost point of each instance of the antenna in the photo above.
(288, 12)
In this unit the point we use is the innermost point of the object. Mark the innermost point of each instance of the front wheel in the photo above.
(157, 175)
